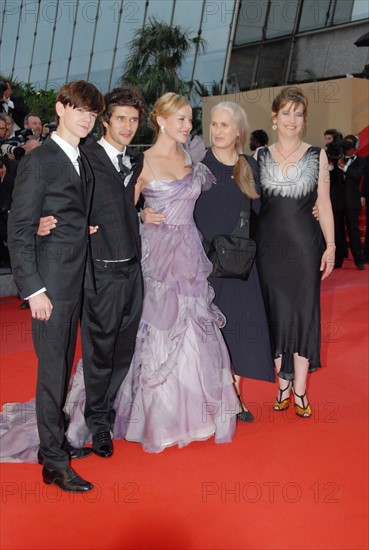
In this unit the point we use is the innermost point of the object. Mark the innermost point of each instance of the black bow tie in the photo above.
(350, 158)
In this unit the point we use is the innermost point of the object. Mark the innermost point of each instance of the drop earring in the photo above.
(274, 127)
(162, 129)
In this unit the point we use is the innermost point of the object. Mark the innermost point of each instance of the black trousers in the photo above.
(352, 224)
(54, 341)
(339, 236)
(366, 244)
(110, 321)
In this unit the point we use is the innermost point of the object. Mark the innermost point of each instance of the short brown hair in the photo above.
(82, 94)
(27, 117)
(290, 94)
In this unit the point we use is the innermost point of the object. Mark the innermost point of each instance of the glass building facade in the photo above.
(266, 19)
(249, 43)
(283, 41)
(48, 42)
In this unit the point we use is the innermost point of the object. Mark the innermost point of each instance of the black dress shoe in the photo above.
(66, 479)
(79, 453)
(74, 453)
(360, 266)
(102, 444)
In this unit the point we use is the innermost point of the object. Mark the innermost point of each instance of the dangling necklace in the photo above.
(222, 161)
(294, 151)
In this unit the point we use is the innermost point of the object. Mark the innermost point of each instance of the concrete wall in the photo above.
(330, 53)
(341, 104)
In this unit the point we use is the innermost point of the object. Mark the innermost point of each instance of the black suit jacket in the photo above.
(111, 203)
(365, 184)
(6, 192)
(352, 180)
(48, 184)
(19, 111)
(337, 188)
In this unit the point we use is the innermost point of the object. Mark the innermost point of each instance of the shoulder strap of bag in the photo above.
(243, 226)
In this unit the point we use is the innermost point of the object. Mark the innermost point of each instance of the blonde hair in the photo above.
(167, 105)
(242, 171)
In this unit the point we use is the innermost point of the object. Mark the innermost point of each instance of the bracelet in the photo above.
(330, 244)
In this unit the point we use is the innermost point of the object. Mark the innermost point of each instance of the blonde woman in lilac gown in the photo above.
(180, 385)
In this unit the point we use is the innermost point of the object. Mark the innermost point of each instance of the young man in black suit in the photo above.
(110, 316)
(111, 312)
(352, 166)
(50, 271)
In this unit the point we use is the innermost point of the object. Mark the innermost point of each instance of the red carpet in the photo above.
(284, 482)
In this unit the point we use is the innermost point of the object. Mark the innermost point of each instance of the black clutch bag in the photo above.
(233, 255)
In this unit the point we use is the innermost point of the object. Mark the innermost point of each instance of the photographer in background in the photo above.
(3, 128)
(352, 168)
(4, 131)
(12, 149)
(6, 190)
(33, 122)
(12, 105)
(10, 124)
(332, 135)
(47, 129)
(334, 152)
(258, 139)
(365, 204)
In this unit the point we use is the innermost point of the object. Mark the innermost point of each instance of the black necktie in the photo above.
(80, 166)
(123, 170)
(82, 172)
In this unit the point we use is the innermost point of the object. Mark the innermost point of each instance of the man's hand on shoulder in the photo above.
(45, 225)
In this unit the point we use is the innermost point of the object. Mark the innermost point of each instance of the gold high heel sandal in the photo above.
(305, 410)
(282, 404)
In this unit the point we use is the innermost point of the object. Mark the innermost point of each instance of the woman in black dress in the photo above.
(217, 212)
(293, 257)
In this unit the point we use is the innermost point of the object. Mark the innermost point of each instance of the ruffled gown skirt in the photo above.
(180, 385)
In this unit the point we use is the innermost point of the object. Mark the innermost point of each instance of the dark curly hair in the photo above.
(128, 96)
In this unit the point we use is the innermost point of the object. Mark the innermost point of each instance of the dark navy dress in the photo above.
(246, 331)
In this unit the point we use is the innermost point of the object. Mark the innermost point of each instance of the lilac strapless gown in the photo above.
(180, 385)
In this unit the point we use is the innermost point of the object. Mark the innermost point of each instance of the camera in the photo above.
(337, 149)
(13, 145)
(23, 135)
(334, 150)
(12, 148)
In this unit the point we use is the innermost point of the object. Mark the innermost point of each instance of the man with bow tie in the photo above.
(111, 312)
(352, 167)
(110, 317)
